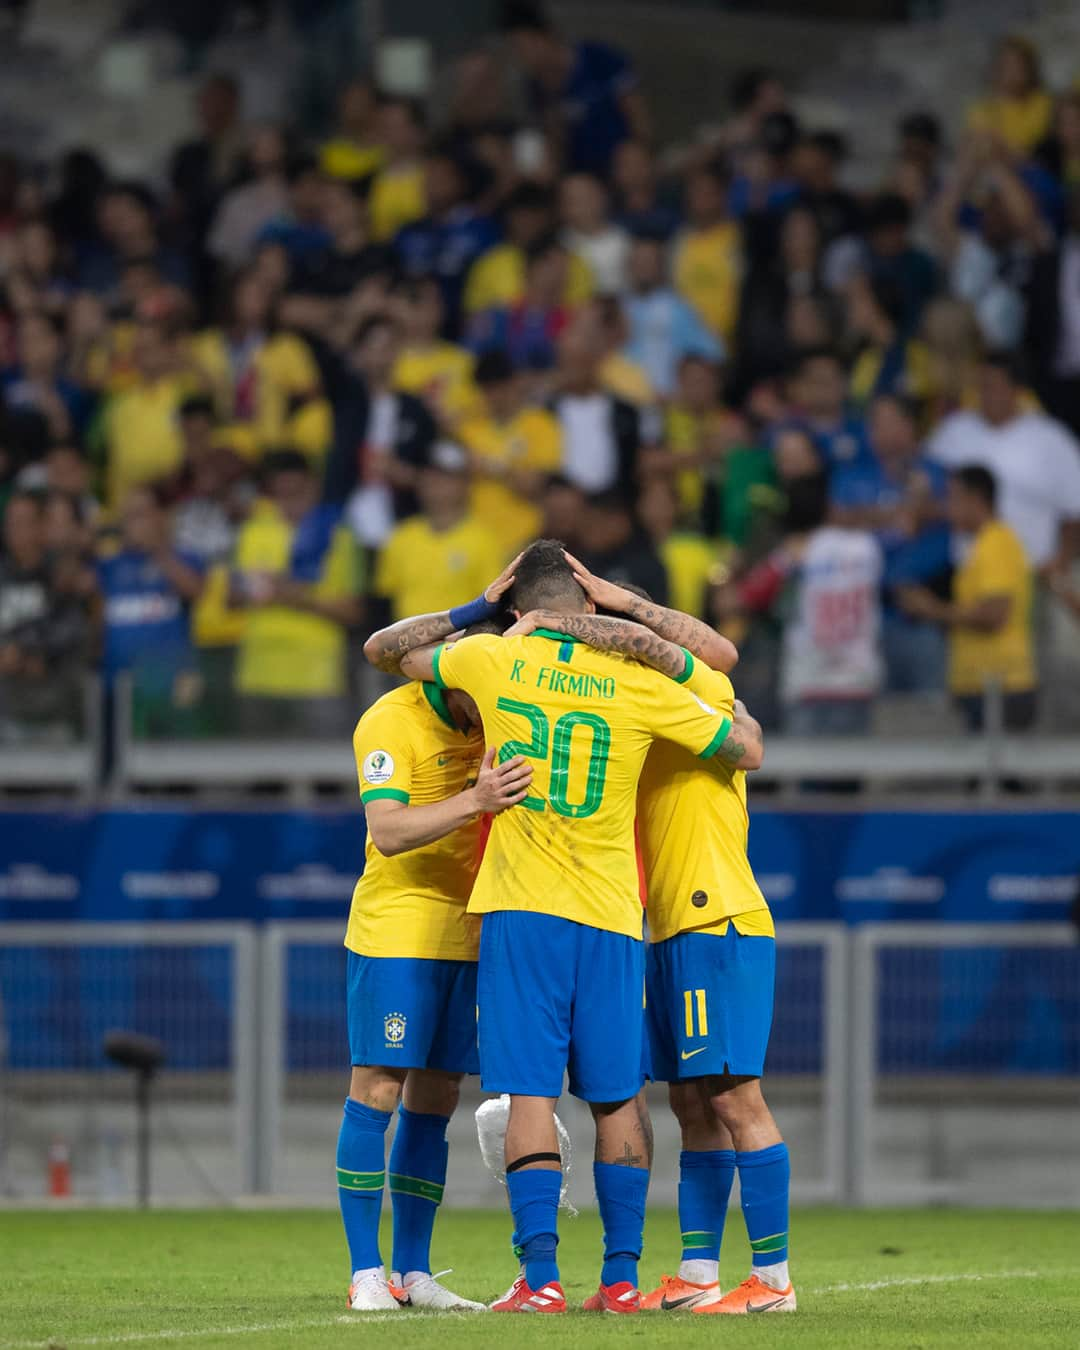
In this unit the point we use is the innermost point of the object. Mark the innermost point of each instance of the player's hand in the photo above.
(499, 786)
(603, 593)
(502, 582)
(528, 623)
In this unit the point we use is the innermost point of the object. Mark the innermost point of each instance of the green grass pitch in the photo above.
(229, 1279)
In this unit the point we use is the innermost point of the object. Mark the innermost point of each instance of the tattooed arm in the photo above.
(671, 624)
(387, 648)
(742, 748)
(609, 635)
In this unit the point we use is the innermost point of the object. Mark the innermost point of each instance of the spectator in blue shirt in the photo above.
(586, 93)
(301, 229)
(899, 495)
(450, 238)
(128, 234)
(528, 330)
(817, 389)
(146, 589)
(663, 328)
(640, 205)
(37, 385)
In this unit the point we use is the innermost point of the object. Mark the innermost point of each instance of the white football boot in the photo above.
(369, 1292)
(424, 1291)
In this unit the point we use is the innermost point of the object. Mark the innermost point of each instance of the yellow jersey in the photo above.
(342, 157)
(276, 402)
(693, 827)
(440, 374)
(1020, 122)
(626, 380)
(423, 571)
(497, 280)
(585, 719)
(289, 653)
(397, 199)
(690, 561)
(142, 435)
(995, 565)
(708, 274)
(409, 749)
(530, 440)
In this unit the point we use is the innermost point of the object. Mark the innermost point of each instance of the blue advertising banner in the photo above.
(203, 864)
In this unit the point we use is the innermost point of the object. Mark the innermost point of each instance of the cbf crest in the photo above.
(394, 1027)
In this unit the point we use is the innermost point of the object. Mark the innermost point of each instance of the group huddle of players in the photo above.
(497, 928)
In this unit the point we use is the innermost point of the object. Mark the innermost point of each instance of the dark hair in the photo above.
(135, 191)
(1009, 363)
(830, 143)
(473, 174)
(890, 298)
(496, 625)
(979, 481)
(284, 461)
(912, 408)
(520, 16)
(299, 166)
(539, 248)
(746, 86)
(493, 367)
(412, 106)
(545, 579)
(779, 132)
(888, 211)
(528, 197)
(716, 169)
(921, 126)
(610, 500)
(808, 354)
(198, 405)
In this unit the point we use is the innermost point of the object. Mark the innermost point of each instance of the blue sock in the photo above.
(417, 1177)
(361, 1169)
(704, 1190)
(764, 1178)
(534, 1203)
(620, 1194)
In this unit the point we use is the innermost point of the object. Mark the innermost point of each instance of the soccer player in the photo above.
(425, 781)
(561, 969)
(710, 975)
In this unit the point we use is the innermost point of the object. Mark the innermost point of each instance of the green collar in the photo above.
(437, 699)
(550, 633)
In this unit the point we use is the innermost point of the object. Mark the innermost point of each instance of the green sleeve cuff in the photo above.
(384, 794)
(436, 658)
(717, 741)
(688, 669)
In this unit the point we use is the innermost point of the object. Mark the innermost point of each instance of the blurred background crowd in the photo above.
(305, 378)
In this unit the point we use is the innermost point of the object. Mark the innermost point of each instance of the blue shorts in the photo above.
(708, 1005)
(410, 1013)
(557, 996)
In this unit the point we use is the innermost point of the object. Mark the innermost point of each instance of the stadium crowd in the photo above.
(288, 389)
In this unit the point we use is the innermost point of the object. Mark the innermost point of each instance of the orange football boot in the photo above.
(752, 1296)
(678, 1295)
(614, 1298)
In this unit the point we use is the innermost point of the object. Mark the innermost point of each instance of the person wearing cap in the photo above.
(444, 555)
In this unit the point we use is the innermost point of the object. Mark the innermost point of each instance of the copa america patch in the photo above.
(378, 767)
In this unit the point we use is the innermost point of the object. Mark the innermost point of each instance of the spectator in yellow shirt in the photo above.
(512, 449)
(296, 575)
(497, 279)
(356, 150)
(708, 254)
(618, 374)
(433, 369)
(265, 383)
(447, 554)
(698, 432)
(691, 561)
(140, 426)
(989, 616)
(397, 190)
(1018, 109)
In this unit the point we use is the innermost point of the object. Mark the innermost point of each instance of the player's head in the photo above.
(972, 498)
(545, 580)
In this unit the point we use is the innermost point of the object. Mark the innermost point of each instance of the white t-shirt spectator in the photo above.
(832, 640)
(606, 255)
(590, 452)
(1036, 462)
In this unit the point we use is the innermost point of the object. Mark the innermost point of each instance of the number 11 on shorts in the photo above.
(694, 1001)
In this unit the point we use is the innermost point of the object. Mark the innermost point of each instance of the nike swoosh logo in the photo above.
(763, 1307)
(689, 1054)
(670, 1304)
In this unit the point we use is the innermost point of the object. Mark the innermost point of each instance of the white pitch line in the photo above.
(910, 1280)
(345, 1319)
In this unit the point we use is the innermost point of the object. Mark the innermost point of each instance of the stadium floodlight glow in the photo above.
(144, 1055)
